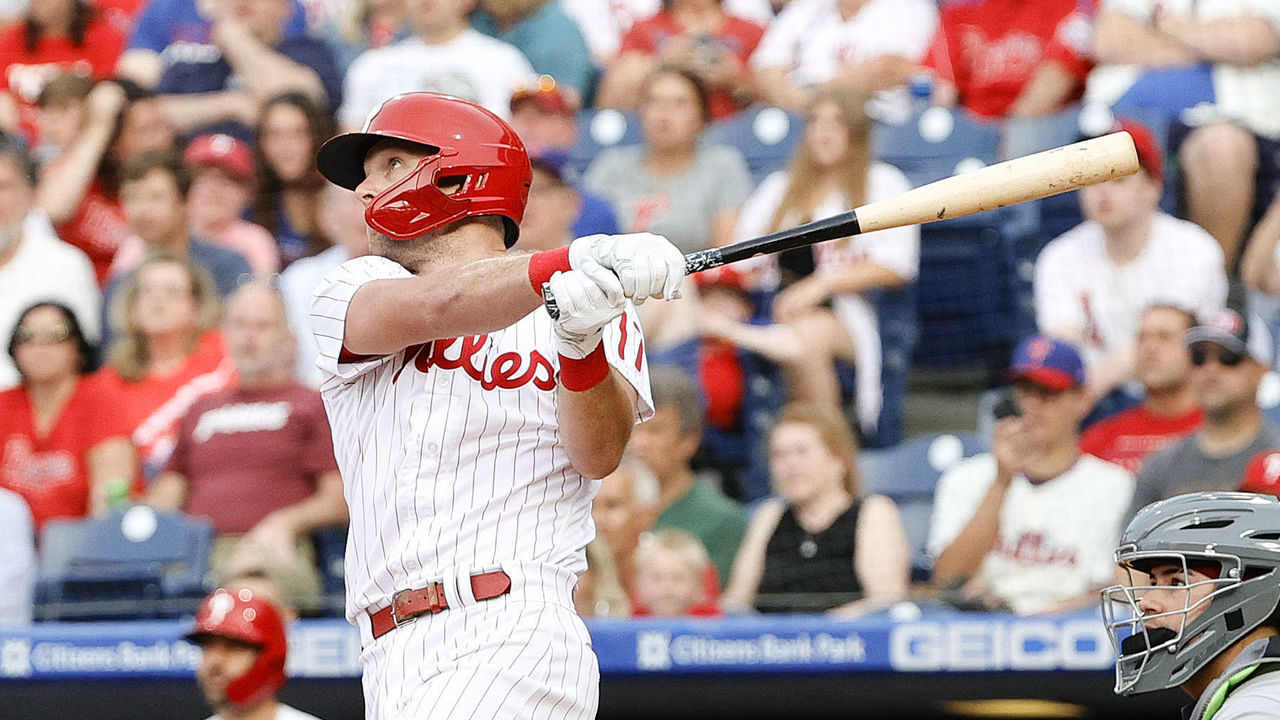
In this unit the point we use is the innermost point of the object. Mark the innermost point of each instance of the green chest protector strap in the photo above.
(1269, 661)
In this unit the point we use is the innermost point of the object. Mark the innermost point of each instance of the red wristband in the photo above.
(542, 265)
(582, 375)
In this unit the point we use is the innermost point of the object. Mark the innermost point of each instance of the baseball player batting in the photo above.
(469, 425)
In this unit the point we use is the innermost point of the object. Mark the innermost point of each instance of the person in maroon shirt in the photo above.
(257, 459)
(1169, 411)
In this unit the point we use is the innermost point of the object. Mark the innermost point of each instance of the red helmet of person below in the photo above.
(468, 144)
(244, 618)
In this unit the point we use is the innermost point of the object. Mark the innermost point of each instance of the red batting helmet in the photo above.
(466, 142)
(244, 618)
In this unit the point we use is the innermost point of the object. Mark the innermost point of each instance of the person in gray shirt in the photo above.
(670, 184)
(1229, 357)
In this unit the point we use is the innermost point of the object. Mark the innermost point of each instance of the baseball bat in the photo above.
(1031, 177)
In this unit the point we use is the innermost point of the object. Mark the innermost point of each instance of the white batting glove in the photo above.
(588, 298)
(648, 265)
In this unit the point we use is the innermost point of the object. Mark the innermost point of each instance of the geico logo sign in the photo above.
(989, 645)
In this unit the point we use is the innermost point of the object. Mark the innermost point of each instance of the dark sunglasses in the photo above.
(1200, 353)
(50, 336)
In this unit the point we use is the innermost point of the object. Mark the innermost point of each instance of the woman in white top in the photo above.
(821, 314)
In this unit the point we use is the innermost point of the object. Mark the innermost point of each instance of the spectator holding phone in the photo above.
(1031, 526)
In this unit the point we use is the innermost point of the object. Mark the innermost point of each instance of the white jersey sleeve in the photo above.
(329, 314)
(624, 348)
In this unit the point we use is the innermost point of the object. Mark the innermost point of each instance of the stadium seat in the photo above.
(765, 135)
(908, 474)
(331, 552)
(932, 155)
(599, 129)
(136, 563)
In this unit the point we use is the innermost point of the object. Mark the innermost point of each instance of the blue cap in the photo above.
(1049, 362)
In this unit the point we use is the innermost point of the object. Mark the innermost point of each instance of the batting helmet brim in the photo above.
(341, 158)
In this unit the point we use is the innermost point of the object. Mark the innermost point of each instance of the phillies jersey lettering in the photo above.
(450, 452)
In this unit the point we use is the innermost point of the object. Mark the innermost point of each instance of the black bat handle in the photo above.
(836, 226)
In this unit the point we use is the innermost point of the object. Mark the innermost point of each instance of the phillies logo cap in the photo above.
(1233, 332)
(1049, 362)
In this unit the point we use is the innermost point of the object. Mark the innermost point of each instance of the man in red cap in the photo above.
(1093, 283)
(1031, 526)
(242, 664)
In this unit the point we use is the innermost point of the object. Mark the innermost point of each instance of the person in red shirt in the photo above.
(1169, 411)
(55, 35)
(60, 446)
(257, 458)
(1010, 58)
(697, 35)
(168, 353)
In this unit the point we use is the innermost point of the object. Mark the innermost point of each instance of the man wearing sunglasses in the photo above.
(1229, 357)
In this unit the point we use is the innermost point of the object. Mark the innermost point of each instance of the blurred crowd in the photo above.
(163, 225)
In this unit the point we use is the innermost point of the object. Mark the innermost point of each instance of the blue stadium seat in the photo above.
(331, 557)
(765, 135)
(926, 160)
(908, 474)
(599, 129)
(138, 563)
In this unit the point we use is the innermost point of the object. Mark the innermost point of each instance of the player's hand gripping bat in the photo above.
(1051, 172)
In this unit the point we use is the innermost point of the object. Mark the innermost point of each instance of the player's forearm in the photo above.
(386, 316)
(863, 276)
(595, 424)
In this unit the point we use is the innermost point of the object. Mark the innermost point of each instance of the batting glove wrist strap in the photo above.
(543, 265)
(582, 374)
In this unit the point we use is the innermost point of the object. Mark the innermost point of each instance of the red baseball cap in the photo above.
(1150, 154)
(220, 151)
(549, 95)
(721, 277)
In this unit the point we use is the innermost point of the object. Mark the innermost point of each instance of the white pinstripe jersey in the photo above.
(450, 452)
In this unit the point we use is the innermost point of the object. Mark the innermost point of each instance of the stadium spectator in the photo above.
(62, 448)
(1221, 57)
(866, 45)
(222, 175)
(604, 25)
(623, 510)
(78, 121)
(153, 194)
(444, 55)
(167, 29)
(548, 38)
(19, 564)
(288, 194)
(34, 264)
(1030, 527)
(821, 314)
(168, 354)
(599, 592)
(1229, 357)
(1168, 411)
(670, 184)
(666, 443)
(1093, 282)
(670, 567)
(364, 25)
(1010, 58)
(257, 458)
(553, 206)
(821, 545)
(697, 35)
(342, 223)
(1260, 266)
(250, 61)
(544, 115)
(244, 649)
(55, 36)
